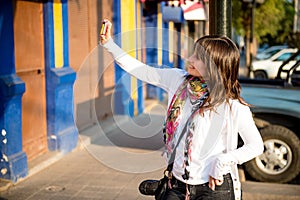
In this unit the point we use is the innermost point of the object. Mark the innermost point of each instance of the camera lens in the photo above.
(148, 187)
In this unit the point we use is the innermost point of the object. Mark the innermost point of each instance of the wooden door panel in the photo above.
(29, 55)
(33, 113)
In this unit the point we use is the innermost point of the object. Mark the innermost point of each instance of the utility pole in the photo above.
(296, 17)
(220, 17)
(252, 38)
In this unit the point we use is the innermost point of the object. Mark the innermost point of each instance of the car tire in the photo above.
(260, 74)
(280, 161)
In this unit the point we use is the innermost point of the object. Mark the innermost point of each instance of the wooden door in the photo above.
(30, 67)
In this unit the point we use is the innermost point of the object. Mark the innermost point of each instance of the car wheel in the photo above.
(280, 161)
(260, 75)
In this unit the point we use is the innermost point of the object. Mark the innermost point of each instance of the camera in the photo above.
(148, 187)
(103, 28)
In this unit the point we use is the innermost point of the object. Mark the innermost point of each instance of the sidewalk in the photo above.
(113, 157)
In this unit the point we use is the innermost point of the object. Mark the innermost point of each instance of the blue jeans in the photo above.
(202, 191)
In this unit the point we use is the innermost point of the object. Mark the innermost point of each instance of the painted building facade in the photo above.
(55, 80)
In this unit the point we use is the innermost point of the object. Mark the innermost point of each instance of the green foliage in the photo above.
(273, 20)
(237, 17)
(240, 17)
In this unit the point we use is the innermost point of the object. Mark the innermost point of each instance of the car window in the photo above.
(297, 58)
(274, 51)
(284, 57)
(296, 77)
(271, 53)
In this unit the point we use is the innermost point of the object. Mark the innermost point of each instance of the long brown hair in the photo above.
(222, 58)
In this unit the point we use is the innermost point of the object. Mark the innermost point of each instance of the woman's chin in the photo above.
(193, 72)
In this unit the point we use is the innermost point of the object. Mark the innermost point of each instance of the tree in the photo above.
(273, 22)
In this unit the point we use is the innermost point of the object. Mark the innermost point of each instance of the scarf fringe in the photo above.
(187, 194)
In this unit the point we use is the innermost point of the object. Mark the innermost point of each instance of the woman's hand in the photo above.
(107, 35)
(213, 182)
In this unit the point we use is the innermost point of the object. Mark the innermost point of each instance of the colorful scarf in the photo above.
(196, 89)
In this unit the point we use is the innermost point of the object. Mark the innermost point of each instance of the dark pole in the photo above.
(220, 17)
(252, 37)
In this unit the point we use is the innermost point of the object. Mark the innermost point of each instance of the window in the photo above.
(284, 57)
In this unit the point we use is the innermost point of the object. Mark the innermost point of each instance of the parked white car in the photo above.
(268, 68)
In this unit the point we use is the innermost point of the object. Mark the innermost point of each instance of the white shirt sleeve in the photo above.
(164, 78)
(253, 144)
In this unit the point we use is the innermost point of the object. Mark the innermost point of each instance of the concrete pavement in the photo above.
(113, 157)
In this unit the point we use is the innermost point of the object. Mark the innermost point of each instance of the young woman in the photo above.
(206, 108)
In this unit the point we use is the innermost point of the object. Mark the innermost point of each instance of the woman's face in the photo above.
(196, 67)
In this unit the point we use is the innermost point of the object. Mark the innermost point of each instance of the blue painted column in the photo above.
(123, 104)
(139, 11)
(166, 51)
(62, 132)
(151, 47)
(13, 161)
(180, 62)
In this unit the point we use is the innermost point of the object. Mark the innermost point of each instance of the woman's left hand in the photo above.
(213, 182)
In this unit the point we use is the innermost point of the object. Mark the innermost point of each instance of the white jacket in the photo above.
(223, 154)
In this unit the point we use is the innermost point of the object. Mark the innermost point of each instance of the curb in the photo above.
(5, 184)
(267, 191)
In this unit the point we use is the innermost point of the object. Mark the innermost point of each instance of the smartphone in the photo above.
(103, 28)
